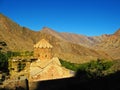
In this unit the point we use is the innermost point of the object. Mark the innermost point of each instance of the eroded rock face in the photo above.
(48, 69)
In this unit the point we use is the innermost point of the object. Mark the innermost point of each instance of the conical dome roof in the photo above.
(43, 44)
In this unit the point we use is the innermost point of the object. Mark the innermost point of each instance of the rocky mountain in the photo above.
(16, 37)
(111, 45)
(71, 47)
(106, 43)
(76, 38)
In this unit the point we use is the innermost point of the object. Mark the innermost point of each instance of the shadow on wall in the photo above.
(81, 81)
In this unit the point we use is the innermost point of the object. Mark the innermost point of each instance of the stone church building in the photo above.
(46, 66)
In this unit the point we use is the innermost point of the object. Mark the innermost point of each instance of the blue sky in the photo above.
(86, 17)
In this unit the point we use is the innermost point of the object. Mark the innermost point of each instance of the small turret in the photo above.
(43, 50)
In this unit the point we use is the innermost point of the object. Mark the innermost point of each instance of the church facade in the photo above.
(46, 66)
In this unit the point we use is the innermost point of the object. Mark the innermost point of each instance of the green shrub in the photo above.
(93, 68)
(21, 66)
(3, 62)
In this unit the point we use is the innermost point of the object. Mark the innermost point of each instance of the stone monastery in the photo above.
(44, 67)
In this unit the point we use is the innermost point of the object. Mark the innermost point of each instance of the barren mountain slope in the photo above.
(76, 38)
(16, 37)
(111, 45)
(106, 43)
(66, 46)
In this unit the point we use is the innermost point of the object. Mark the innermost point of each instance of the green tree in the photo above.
(3, 58)
(3, 62)
(94, 68)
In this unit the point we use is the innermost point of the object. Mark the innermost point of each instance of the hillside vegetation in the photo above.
(94, 69)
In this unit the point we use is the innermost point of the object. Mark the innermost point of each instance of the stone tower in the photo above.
(43, 50)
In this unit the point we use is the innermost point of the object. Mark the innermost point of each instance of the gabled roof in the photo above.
(43, 44)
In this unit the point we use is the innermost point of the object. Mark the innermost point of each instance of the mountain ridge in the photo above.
(72, 47)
